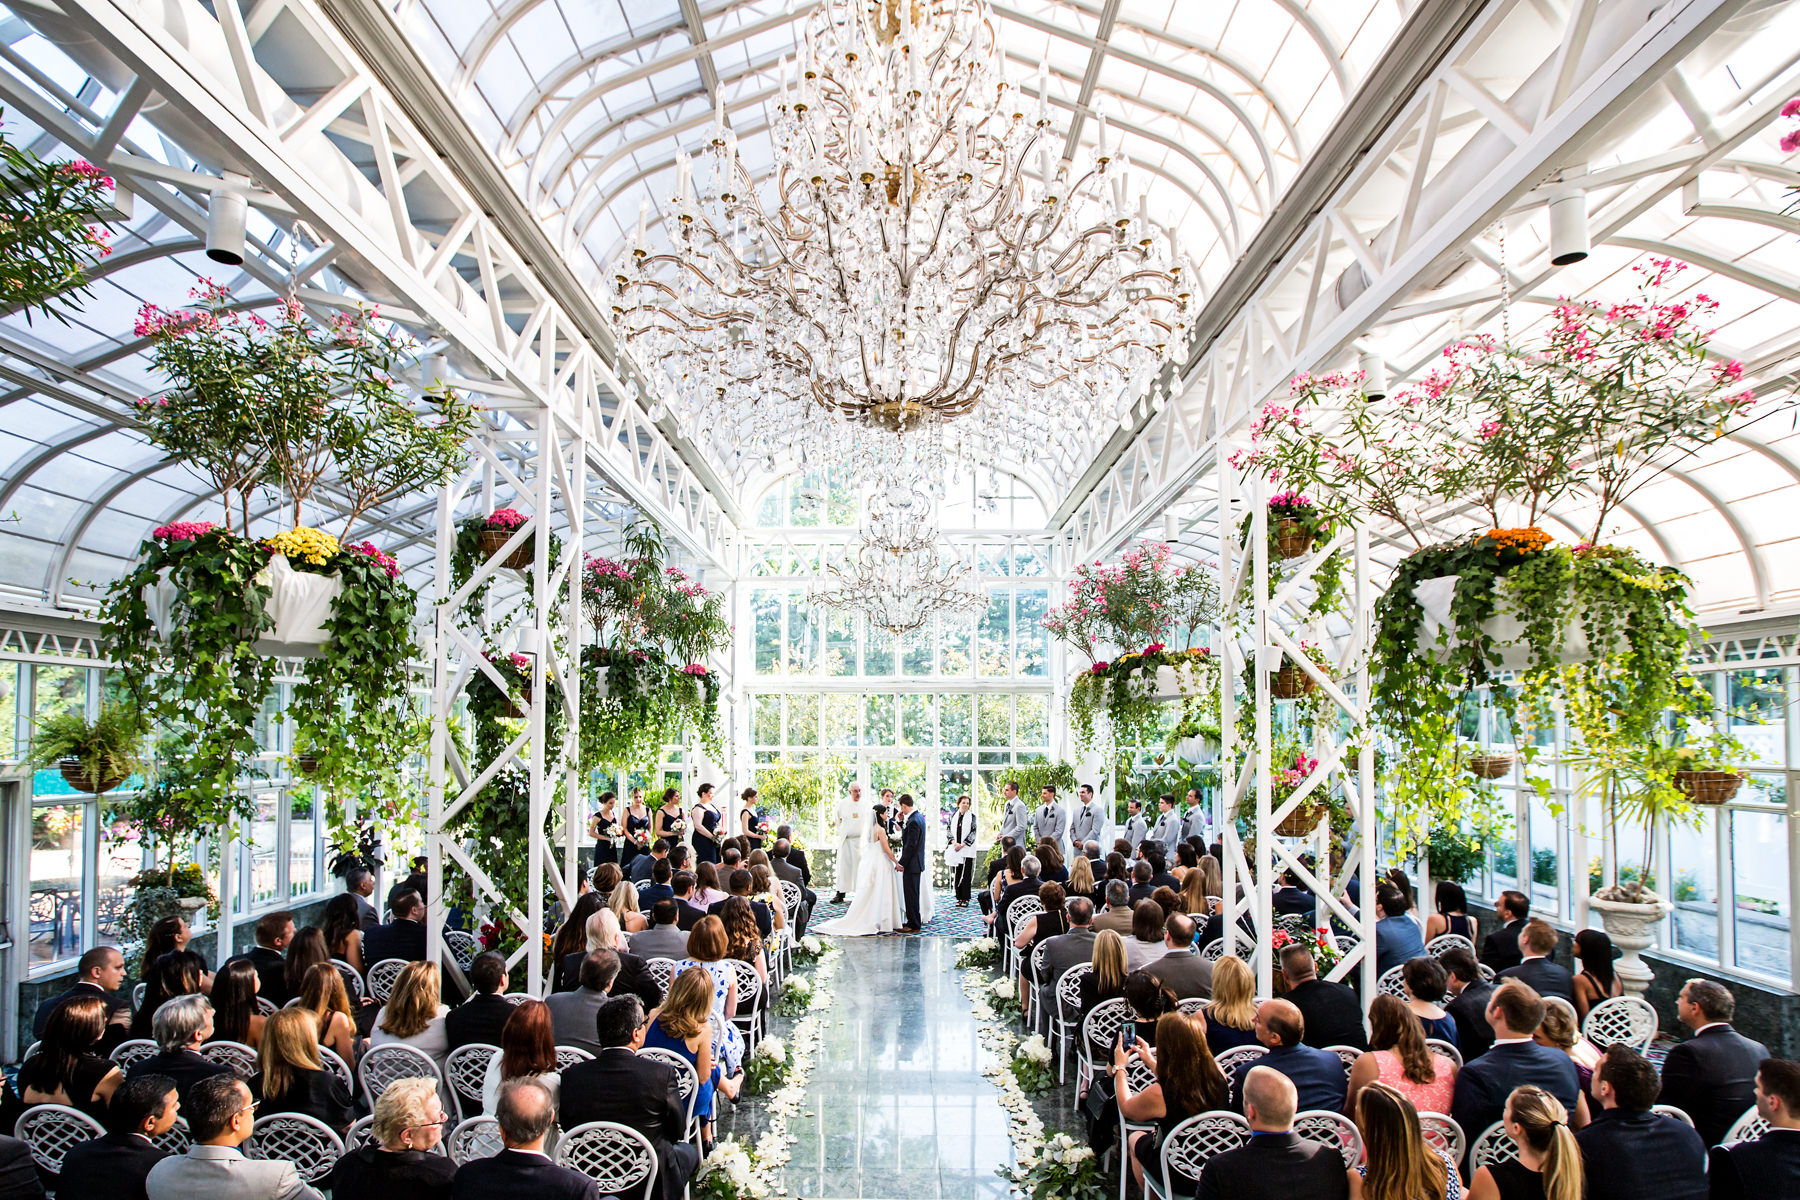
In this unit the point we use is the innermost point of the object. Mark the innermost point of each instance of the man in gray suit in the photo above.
(572, 1014)
(1089, 820)
(220, 1114)
(1136, 828)
(1049, 823)
(665, 938)
(1069, 949)
(1014, 819)
(1181, 969)
(1198, 819)
(1167, 831)
(787, 872)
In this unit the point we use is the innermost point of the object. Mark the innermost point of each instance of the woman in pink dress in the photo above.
(1398, 1057)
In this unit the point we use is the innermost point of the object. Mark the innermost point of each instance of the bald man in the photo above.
(1277, 1163)
(1318, 1075)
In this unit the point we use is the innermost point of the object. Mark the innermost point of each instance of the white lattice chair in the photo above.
(1034, 971)
(791, 898)
(1442, 1131)
(128, 1054)
(1669, 1110)
(1237, 1060)
(1068, 1000)
(516, 998)
(1493, 1146)
(52, 1130)
(466, 1070)
(307, 1142)
(137, 996)
(1331, 1129)
(176, 1140)
(1391, 983)
(381, 1065)
(1190, 1144)
(662, 970)
(477, 1137)
(1623, 1020)
(750, 1009)
(266, 1008)
(353, 983)
(687, 1084)
(382, 977)
(239, 1057)
(333, 1062)
(361, 1131)
(1487, 972)
(1017, 913)
(1099, 1029)
(568, 1056)
(1746, 1128)
(620, 1159)
(1443, 943)
(1193, 1006)
(462, 947)
(1348, 1056)
(1139, 1075)
(1440, 1046)
(1242, 944)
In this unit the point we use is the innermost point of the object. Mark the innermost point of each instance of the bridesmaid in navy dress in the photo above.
(749, 823)
(669, 823)
(637, 829)
(707, 820)
(603, 827)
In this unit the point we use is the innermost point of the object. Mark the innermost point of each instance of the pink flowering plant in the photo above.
(52, 230)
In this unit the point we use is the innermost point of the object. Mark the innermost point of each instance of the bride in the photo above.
(876, 907)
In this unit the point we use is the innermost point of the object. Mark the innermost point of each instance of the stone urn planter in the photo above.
(1631, 926)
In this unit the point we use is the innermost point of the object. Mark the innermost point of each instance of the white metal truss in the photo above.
(1454, 161)
(282, 98)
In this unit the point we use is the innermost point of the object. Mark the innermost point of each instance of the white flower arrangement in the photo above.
(771, 1048)
(1004, 989)
(1035, 1048)
(812, 945)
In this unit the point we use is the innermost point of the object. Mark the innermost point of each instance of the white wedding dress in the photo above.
(876, 906)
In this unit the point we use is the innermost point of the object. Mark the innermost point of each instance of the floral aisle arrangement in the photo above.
(808, 949)
(796, 997)
(768, 1066)
(52, 230)
(1003, 998)
(982, 953)
(1030, 1066)
(1294, 930)
(1056, 1168)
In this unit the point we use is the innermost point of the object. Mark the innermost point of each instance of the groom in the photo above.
(912, 862)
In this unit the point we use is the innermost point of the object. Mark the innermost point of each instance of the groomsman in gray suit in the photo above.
(1167, 831)
(1089, 821)
(1049, 823)
(1014, 817)
(1136, 828)
(1198, 819)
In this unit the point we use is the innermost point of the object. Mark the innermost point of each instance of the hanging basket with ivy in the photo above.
(1711, 788)
(495, 530)
(1490, 766)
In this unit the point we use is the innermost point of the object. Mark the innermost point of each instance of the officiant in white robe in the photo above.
(853, 828)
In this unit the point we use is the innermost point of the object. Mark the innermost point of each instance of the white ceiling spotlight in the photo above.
(227, 211)
(1568, 227)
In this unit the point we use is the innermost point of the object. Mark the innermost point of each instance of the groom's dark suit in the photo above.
(912, 866)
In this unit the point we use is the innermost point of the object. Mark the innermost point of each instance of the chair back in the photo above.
(353, 983)
(383, 1064)
(687, 1082)
(1190, 1144)
(307, 1142)
(1623, 1019)
(1068, 988)
(137, 996)
(176, 1140)
(466, 1069)
(1442, 1131)
(791, 897)
(462, 947)
(749, 988)
(1443, 943)
(52, 1130)
(333, 1062)
(1040, 954)
(1102, 1024)
(568, 1056)
(240, 1058)
(1240, 943)
(362, 1130)
(266, 1008)
(1193, 1006)
(476, 1137)
(1348, 1056)
(1746, 1128)
(516, 998)
(1391, 984)
(1237, 1060)
(382, 977)
(1019, 912)
(128, 1054)
(1494, 1145)
(662, 970)
(620, 1159)
(1669, 1110)
(1440, 1046)
(1332, 1129)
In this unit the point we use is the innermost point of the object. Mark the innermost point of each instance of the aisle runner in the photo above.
(948, 921)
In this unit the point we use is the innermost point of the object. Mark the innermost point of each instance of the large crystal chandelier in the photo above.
(920, 257)
(900, 573)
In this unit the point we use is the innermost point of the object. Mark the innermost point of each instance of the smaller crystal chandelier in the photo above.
(901, 573)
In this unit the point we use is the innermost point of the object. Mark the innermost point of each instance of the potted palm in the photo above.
(94, 756)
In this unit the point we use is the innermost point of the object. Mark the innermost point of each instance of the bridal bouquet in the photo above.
(728, 1174)
(796, 997)
(1031, 1066)
(1062, 1169)
(979, 952)
(768, 1066)
(1003, 998)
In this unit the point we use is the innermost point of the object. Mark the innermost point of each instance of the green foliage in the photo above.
(1125, 689)
(111, 745)
(466, 555)
(637, 602)
(634, 703)
(1454, 855)
(802, 790)
(49, 239)
(1034, 773)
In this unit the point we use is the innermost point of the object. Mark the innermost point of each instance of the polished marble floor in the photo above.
(899, 1109)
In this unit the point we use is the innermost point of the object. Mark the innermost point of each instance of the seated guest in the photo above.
(1559, 1031)
(1318, 1075)
(665, 938)
(1452, 915)
(626, 904)
(1768, 1167)
(220, 1116)
(571, 940)
(1399, 1059)
(322, 994)
(620, 1086)
(1397, 936)
(1107, 980)
(1181, 969)
(643, 863)
(1025, 883)
(412, 1015)
(403, 937)
(787, 871)
(707, 891)
(169, 933)
(291, 1079)
(1146, 1001)
(480, 1018)
(689, 912)
(1188, 1082)
(1142, 881)
(1712, 1076)
(1276, 1161)
(1231, 1017)
(177, 973)
(18, 1172)
(235, 1015)
(1597, 981)
(1484, 1083)
(1631, 1152)
(359, 883)
(398, 1164)
(1117, 915)
(1052, 921)
(1426, 981)
(306, 950)
(1331, 1011)
(1290, 899)
(740, 883)
(343, 929)
(182, 1026)
(118, 1164)
(1399, 1164)
(1469, 995)
(274, 933)
(603, 933)
(795, 855)
(528, 1049)
(683, 1027)
(742, 942)
(1537, 942)
(1068, 950)
(1500, 949)
(572, 1013)
(1146, 944)
(526, 1114)
(1549, 1161)
(66, 1068)
(100, 972)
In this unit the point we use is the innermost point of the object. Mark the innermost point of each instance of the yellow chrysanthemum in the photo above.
(306, 544)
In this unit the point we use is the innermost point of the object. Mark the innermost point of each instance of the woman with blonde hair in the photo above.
(1081, 876)
(322, 993)
(412, 1015)
(1231, 1014)
(1549, 1162)
(1399, 1164)
(1212, 877)
(1560, 1031)
(527, 1048)
(1107, 980)
(291, 1078)
(684, 1026)
(624, 904)
(1399, 1059)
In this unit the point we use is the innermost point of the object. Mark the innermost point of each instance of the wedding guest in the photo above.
(359, 883)
(67, 1068)
(1068, 950)
(182, 1026)
(169, 933)
(274, 933)
(1231, 1016)
(1331, 1011)
(1181, 969)
(688, 910)
(412, 1015)
(118, 1165)
(1146, 1001)
(1188, 1082)
(1397, 936)
(235, 1017)
(1515, 1012)
(528, 1046)
(399, 1163)
(322, 994)
(1712, 1076)
(1769, 1166)
(1194, 900)
(1630, 1151)
(1050, 863)
(1537, 941)
(1146, 943)
(1081, 877)
(343, 930)
(1143, 884)
(1452, 914)
(177, 973)
(1167, 899)
(526, 1114)
(480, 1018)
(570, 942)
(1276, 1162)
(684, 1026)
(1559, 1031)
(624, 1087)
(741, 883)
(1426, 981)
(292, 1079)
(1053, 921)
(1318, 1075)
(788, 872)
(607, 878)
(763, 892)
(1118, 914)
(624, 899)
(1027, 883)
(1399, 1059)
(603, 933)
(1549, 1161)
(708, 893)
(1107, 980)
(1469, 995)
(221, 1116)
(742, 941)
(1399, 1164)
(99, 972)
(1500, 949)
(403, 937)
(1597, 980)
(706, 948)
(665, 938)
(572, 1013)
